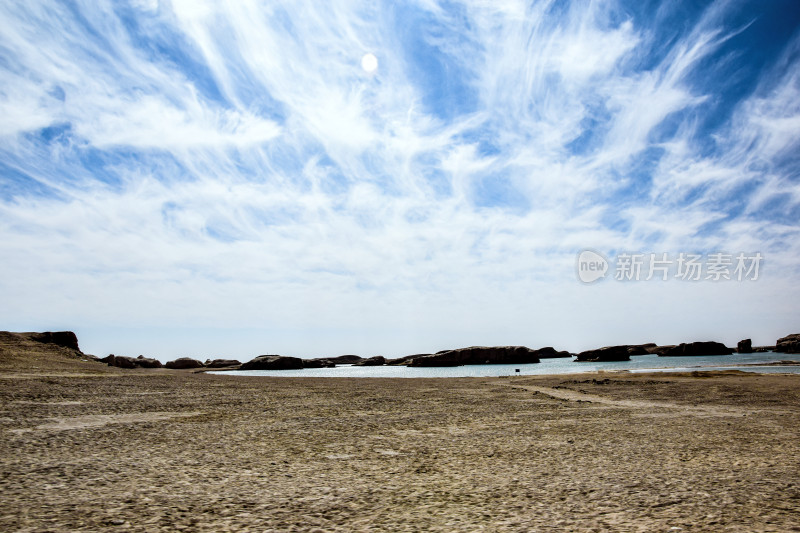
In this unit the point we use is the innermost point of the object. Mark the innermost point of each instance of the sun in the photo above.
(369, 62)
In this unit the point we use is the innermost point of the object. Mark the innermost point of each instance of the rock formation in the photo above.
(478, 355)
(67, 339)
(147, 362)
(330, 362)
(697, 349)
(120, 361)
(183, 363)
(378, 360)
(617, 353)
(605, 354)
(660, 350)
(548, 352)
(344, 359)
(222, 363)
(273, 362)
(402, 361)
(318, 363)
(642, 349)
(788, 344)
(745, 346)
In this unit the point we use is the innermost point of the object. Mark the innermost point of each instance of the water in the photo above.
(639, 363)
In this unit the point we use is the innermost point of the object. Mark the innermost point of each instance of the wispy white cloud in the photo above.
(233, 164)
(152, 123)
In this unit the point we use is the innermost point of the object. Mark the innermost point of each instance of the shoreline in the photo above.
(640, 364)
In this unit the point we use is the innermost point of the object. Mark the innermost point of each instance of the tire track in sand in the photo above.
(95, 421)
(575, 396)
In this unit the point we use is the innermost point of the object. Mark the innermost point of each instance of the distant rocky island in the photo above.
(473, 355)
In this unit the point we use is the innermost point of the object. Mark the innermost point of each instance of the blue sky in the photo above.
(225, 179)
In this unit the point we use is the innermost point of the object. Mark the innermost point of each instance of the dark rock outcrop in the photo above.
(67, 339)
(183, 363)
(761, 349)
(788, 344)
(147, 362)
(273, 362)
(745, 346)
(641, 349)
(222, 363)
(378, 360)
(660, 350)
(618, 353)
(605, 354)
(478, 355)
(318, 363)
(401, 361)
(448, 358)
(637, 350)
(344, 359)
(548, 352)
(696, 349)
(330, 362)
(120, 361)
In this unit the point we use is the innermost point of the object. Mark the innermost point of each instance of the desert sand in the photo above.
(85, 447)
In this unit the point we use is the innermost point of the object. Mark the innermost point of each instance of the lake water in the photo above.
(639, 363)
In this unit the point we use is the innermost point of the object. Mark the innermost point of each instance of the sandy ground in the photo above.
(88, 448)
